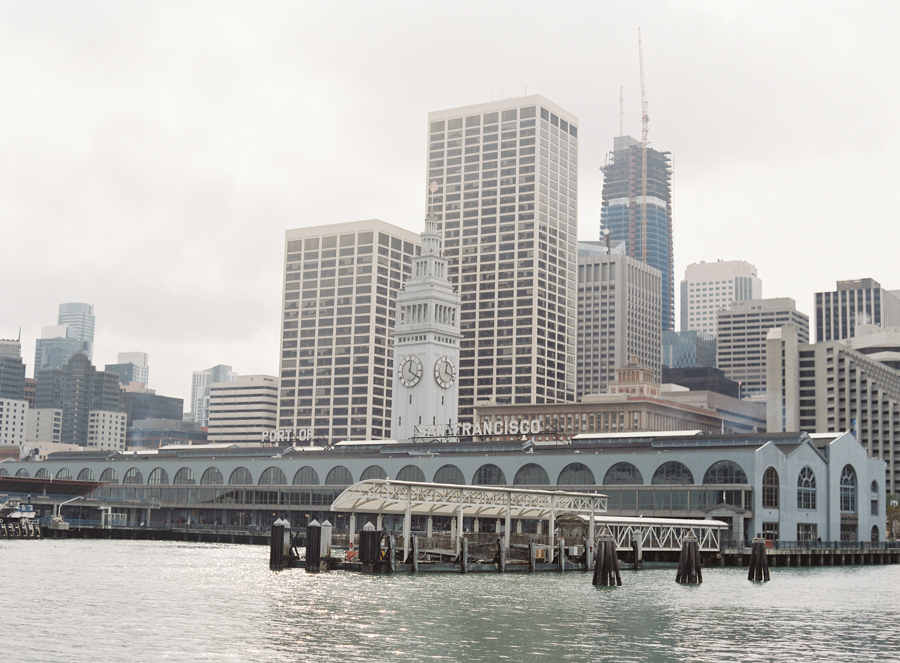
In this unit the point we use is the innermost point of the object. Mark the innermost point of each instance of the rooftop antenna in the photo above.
(645, 120)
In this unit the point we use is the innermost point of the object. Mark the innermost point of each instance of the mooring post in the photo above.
(463, 555)
(313, 547)
(689, 562)
(606, 568)
(532, 555)
(276, 546)
(501, 556)
(390, 552)
(759, 562)
(561, 554)
(637, 549)
(415, 554)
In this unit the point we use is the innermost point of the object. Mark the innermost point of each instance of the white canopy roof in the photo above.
(437, 499)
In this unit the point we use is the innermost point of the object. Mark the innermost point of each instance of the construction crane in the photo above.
(645, 120)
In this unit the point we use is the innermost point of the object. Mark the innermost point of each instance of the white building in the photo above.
(106, 430)
(44, 426)
(242, 410)
(426, 344)
(13, 422)
(337, 349)
(741, 350)
(507, 205)
(619, 317)
(200, 383)
(710, 287)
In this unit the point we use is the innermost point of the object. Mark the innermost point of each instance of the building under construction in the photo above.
(642, 220)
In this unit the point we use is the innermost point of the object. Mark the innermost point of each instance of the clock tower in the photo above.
(426, 345)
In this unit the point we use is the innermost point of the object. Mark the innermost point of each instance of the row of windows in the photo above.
(806, 489)
(531, 474)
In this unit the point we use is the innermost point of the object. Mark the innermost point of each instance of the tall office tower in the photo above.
(58, 344)
(645, 225)
(79, 318)
(709, 287)
(200, 382)
(337, 351)
(743, 328)
(426, 343)
(507, 207)
(859, 302)
(80, 391)
(10, 347)
(688, 349)
(131, 367)
(242, 410)
(12, 378)
(619, 318)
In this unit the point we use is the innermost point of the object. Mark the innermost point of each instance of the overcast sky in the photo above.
(152, 155)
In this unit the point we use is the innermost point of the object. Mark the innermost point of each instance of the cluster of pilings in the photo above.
(22, 529)
(689, 563)
(759, 563)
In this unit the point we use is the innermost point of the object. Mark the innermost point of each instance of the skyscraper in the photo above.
(200, 382)
(619, 312)
(57, 344)
(131, 367)
(426, 343)
(79, 318)
(645, 225)
(337, 351)
(709, 287)
(507, 207)
(858, 302)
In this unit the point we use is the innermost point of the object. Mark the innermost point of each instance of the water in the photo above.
(130, 601)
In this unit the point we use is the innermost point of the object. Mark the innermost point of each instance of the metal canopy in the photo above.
(436, 499)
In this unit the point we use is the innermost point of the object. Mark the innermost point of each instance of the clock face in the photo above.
(445, 372)
(410, 370)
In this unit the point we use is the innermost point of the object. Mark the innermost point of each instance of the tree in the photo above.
(893, 515)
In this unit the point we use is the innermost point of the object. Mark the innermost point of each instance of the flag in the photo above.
(434, 186)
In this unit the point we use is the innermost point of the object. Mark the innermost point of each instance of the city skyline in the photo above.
(157, 183)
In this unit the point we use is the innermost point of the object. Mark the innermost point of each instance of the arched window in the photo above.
(806, 489)
(306, 476)
(874, 538)
(212, 477)
(109, 476)
(449, 474)
(4, 472)
(42, 473)
(623, 473)
(158, 477)
(489, 475)
(133, 476)
(770, 489)
(373, 472)
(339, 476)
(576, 474)
(64, 474)
(87, 474)
(240, 477)
(848, 489)
(272, 476)
(874, 487)
(725, 471)
(672, 472)
(411, 473)
(185, 477)
(22, 472)
(531, 474)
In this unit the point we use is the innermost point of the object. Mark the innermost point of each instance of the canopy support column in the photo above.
(407, 522)
(508, 521)
(352, 527)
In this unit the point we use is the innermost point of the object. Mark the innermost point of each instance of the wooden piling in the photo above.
(463, 555)
(561, 555)
(606, 567)
(313, 547)
(276, 547)
(415, 554)
(637, 550)
(689, 571)
(532, 555)
(501, 556)
(759, 563)
(392, 564)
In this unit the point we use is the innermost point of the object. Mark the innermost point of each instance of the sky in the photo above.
(152, 155)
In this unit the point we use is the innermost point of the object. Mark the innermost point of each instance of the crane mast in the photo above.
(645, 120)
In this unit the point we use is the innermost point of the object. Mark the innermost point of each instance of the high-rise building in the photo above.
(619, 318)
(10, 348)
(57, 344)
(242, 410)
(80, 318)
(709, 287)
(859, 302)
(426, 343)
(131, 367)
(831, 386)
(743, 328)
(12, 378)
(13, 421)
(200, 383)
(507, 206)
(337, 350)
(644, 224)
(79, 390)
(688, 349)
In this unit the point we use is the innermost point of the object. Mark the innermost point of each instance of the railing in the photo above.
(780, 544)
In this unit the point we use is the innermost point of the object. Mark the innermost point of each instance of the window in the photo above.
(185, 476)
(212, 476)
(339, 476)
(848, 489)
(132, 476)
(449, 474)
(725, 471)
(770, 531)
(306, 476)
(489, 475)
(623, 473)
(240, 477)
(806, 491)
(807, 531)
(531, 474)
(109, 476)
(770, 489)
(272, 476)
(411, 473)
(373, 472)
(158, 477)
(576, 474)
(672, 472)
